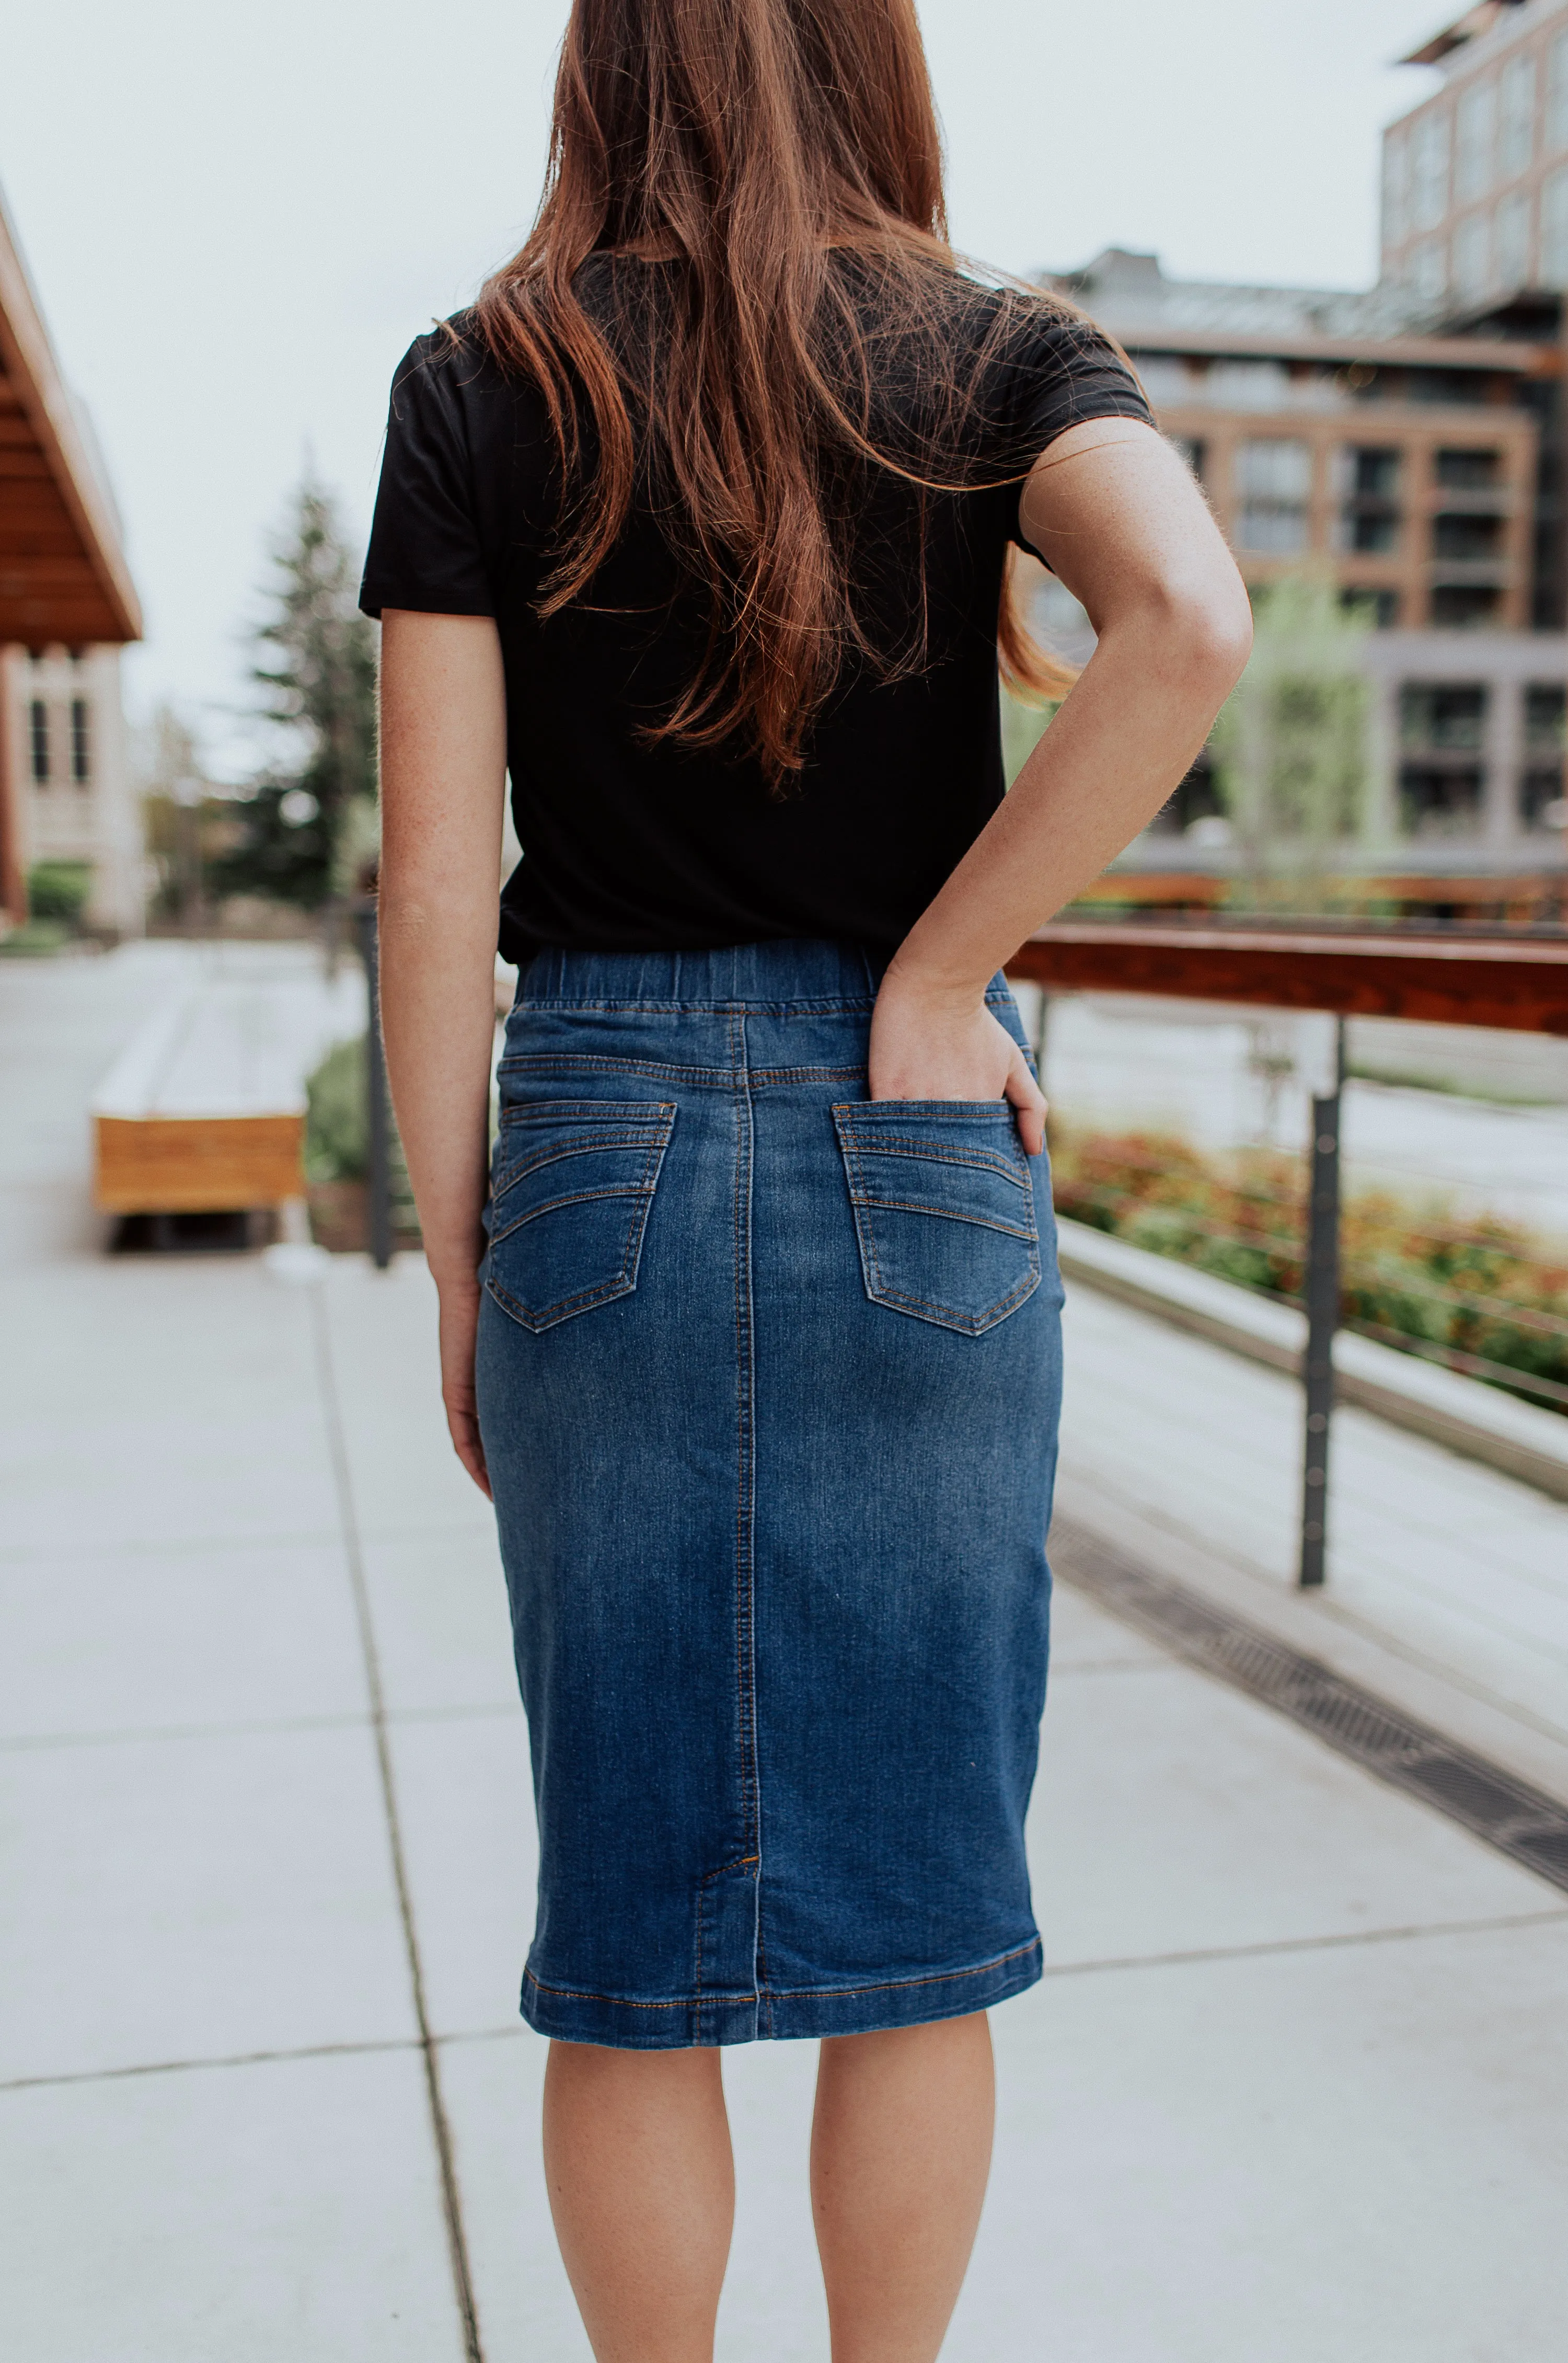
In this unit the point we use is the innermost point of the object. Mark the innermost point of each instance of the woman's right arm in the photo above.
(443, 776)
(1115, 513)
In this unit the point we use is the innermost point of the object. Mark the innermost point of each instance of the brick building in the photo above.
(67, 607)
(1409, 442)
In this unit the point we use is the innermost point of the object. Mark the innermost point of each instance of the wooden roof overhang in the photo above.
(64, 577)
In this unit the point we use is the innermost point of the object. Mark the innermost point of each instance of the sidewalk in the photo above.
(1294, 2085)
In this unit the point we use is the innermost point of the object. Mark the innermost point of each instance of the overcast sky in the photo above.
(237, 217)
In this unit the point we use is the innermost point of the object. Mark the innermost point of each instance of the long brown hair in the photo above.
(744, 150)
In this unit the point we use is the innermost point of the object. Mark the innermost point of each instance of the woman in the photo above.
(699, 523)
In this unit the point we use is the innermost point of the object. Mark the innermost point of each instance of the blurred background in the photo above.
(263, 1787)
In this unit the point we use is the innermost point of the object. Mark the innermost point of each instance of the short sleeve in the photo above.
(1069, 371)
(426, 549)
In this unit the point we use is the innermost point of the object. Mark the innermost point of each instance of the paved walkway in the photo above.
(1295, 2087)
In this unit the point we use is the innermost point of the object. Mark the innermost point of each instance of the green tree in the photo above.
(309, 819)
(1291, 748)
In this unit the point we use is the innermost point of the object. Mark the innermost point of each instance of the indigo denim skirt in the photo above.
(769, 1379)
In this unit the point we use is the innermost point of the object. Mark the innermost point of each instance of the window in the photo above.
(1466, 538)
(1510, 243)
(1443, 716)
(1464, 606)
(1516, 127)
(1368, 484)
(1440, 729)
(37, 741)
(81, 742)
(1472, 258)
(1544, 704)
(1378, 609)
(1540, 801)
(1428, 271)
(1395, 163)
(1468, 471)
(1439, 802)
(1475, 140)
(1557, 96)
(1428, 191)
(1554, 230)
(1273, 480)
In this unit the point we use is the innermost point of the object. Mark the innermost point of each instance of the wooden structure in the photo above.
(1516, 982)
(63, 579)
(205, 1110)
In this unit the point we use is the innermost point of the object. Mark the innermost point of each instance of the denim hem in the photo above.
(801, 2015)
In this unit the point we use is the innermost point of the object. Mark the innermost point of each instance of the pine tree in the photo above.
(309, 815)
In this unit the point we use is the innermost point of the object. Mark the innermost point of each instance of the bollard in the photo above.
(377, 1128)
(1321, 1289)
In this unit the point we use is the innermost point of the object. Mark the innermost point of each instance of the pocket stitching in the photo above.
(948, 1316)
(641, 1193)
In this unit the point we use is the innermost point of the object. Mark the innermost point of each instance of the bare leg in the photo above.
(901, 2149)
(642, 2187)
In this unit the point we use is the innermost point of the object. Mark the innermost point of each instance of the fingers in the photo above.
(1029, 1103)
(462, 1426)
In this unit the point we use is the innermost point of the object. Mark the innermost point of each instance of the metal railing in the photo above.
(1495, 979)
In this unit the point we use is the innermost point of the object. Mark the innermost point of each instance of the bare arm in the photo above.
(1115, 514)
(443, 770)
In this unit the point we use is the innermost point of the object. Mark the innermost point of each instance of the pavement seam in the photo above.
(515, 2031)
(338, 1447)
(1505, 1813)
(1346, 1942)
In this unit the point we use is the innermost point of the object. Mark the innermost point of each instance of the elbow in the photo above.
(1210, 631)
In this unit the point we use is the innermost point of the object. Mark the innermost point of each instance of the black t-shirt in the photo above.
(633, 847)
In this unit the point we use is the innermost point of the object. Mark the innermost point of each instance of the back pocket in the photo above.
(572, 1184)
(944, 1207)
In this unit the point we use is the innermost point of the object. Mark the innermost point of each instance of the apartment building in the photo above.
(67, 607)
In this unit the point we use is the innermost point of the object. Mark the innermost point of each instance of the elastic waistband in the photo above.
(789, 971)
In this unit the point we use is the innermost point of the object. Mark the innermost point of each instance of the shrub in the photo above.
(1485, 1289)
(59, 890)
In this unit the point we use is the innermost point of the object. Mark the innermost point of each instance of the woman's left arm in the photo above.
(442, 779)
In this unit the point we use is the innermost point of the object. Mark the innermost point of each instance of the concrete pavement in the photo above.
(1295, 2084)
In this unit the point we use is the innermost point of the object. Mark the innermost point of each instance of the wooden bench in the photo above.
(205, 1109)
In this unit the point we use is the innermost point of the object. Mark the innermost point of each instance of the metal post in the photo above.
(377, 1128)
(1321, 1290)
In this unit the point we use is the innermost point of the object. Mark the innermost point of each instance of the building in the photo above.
(67, 607)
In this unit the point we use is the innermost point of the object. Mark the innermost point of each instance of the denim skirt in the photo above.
(768, 1380)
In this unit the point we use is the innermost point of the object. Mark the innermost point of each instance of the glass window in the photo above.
(1468, 471)
(1464, 606)
(1557, 96)
(37, 740)
(1378, 609)
(1274, 468)
(1472, 258)
(1429, 178)
(1540, 803)
(1274, 479)
(1554, 230)
(1467, 537)
(1444, 716)
(1544, 716)
(1368, 482)
(1396, 162)
(80, 741)
(1516, 127)
(1439, 802)
(1475, 140)
(1428, 271)
(1510, 240)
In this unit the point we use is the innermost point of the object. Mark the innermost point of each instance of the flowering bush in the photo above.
(1478, 1291)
